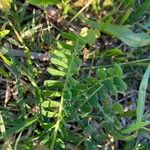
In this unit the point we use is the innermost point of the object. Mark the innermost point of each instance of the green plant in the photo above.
(74, 107)
(79, 98)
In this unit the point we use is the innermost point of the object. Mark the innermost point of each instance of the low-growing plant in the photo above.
(71, 108)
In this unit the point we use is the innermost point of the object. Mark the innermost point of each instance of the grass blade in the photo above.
(2, 127)
(134, 127)
(142, 95)
(21, 125)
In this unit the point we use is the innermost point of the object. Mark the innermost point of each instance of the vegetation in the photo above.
(74, 74)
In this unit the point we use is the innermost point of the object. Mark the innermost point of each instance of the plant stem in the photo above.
(57, 123)
(135, 62)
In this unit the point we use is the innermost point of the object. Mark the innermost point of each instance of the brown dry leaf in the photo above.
(70, 146)
(86, 54)
(40, 147)
(80, 3)
(84, 31)
(108, 3)
(7, 94)
(5, 5)
(7, 144)
(96, 2)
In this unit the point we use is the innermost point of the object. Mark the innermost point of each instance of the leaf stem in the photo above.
(57, 123)
(135, 62)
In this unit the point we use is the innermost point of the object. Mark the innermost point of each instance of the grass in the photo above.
(74, 75)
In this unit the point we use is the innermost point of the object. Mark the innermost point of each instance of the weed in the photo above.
(73, 94)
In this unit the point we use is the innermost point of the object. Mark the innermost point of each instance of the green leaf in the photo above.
(73, 82)
(89, 35)
(125, 17)
(101, 73)
(60, 143)
(141, 11)
(142, 146)
(44, 2)
(125, 137)
(67, 95)
(86, 109)
(21, 125)
(90, 81)
(119, 84)
(124, 33)
(146, 25)
(118, 108)
(8, 62)
(102, 94)
(134, 127)
(115, 71)
(59, 63)
(59, 53)
(47, 126)
(55, 72)
(111, 72)
(142, 95)
(74, 92)
(51, 93)
(112, 52)
(127, 35)
(2, 72)
(72, 137)
(50, 103)
(129, 2)
(48, 114)
(62, 45)
(74, 69)
(118, 69)
(93, 101)
(90, 129)
(3, 33)
(110, 87)
(129, 114)
(74, 37)
(53, 83)
(129, 145)
(117, 123)
(90, 145)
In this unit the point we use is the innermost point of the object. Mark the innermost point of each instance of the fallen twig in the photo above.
(7, 94)
(34, 55)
